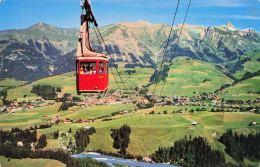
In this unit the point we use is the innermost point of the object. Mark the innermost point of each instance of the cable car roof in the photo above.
(92, 58)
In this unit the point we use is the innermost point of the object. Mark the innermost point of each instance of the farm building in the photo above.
(190, 127)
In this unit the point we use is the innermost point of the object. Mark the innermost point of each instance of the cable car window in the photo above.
(77, 68)
(105, 68)
(101, 68)
(88, 68)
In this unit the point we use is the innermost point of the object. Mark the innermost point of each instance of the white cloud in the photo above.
(221, 3)
(142, 3)
(236, 17)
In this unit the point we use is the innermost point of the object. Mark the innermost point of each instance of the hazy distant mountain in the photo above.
(43, 50)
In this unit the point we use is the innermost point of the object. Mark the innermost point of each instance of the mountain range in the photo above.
(43, 50)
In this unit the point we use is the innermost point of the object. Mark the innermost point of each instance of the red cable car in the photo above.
(91, 66)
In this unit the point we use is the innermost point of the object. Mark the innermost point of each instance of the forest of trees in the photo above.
(144, 106)
(42, 126)
(17, 152)
(190, 152)
(24, 137)
(3, 94)
(82, 138)
(121, 138)
(248, 75)
(17, 135)
(126, 156)
(66, 105)
(10, 148)
(162, 76)
(89, 162)
(47, 92)
(240, 146)
(42, 142)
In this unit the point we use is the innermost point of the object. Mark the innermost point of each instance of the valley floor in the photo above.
(149, 131)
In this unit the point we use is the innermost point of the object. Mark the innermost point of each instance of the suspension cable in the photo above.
(167, 43)
(174, 51)
(113, 64)
(95, 40)
(108, 66)
(111, 58)
(176, 44)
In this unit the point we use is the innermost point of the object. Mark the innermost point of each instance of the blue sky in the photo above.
(19, 14)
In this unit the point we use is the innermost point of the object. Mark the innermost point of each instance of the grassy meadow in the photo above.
(67, 82)
(240, 90)
(252, 65)
(9, 82)
(32, 162)
(149, 131)
(187, 76)
(139, 78)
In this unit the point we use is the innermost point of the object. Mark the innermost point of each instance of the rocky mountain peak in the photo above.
(228, 27)
(137, 24)
(228, 24)
(42, 26)
(250, 30)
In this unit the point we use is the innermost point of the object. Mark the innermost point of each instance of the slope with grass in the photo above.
(140, 77)
(247, 89)
(67, 83)
(6, 83)
(30, 162)
(151, 131)
(185, 77)
(148, 131)
(10, 82)
(252, 65)
(30, 117)
(188, 75)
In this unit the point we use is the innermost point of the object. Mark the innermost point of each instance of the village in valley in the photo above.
(138, 96)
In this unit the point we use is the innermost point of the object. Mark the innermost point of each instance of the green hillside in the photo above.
(148, 131)
(10, 82)
(67, 82)
(136, 77)
(247, 89)
(187, 76)
(252, 65)
(30, 162)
